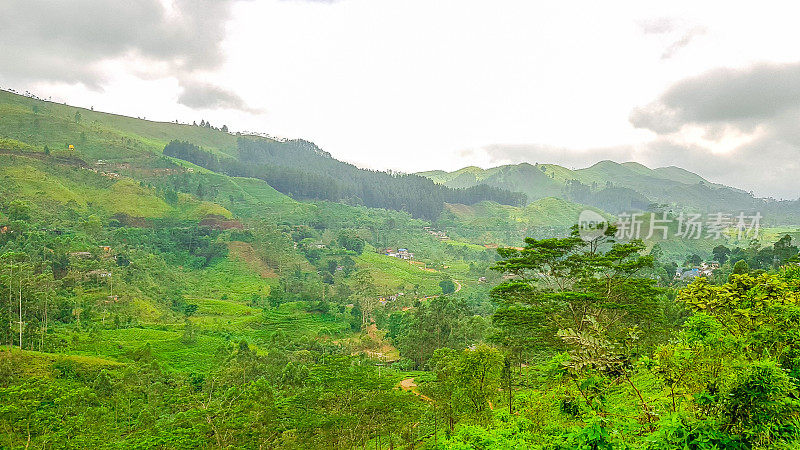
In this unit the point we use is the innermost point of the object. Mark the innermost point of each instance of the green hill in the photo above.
(492, 223)
(97, 135)
(295, 167)
(173, 286)
(616, 188)
(181, 234)
(524, 178)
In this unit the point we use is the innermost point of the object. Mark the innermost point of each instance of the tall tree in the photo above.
(365, 294)
(558, 283)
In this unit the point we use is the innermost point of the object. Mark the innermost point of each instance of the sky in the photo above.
(420, 85)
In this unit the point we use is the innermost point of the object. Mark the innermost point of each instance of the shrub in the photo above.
(680, 432)
(761, 404)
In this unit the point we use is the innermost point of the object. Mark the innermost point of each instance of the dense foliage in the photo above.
(147, 303)
(300, 169)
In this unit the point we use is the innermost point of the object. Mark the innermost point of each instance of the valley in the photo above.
(167, 285)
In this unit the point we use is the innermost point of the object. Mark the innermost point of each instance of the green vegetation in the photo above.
(150, 297)
(625, 187)
(302, 170)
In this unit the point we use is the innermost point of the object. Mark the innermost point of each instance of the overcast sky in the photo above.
(416, 85)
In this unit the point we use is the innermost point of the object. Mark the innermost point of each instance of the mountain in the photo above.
(301, 169)
(525, 178)
(179, 286)
(620, 187)
(294, 167)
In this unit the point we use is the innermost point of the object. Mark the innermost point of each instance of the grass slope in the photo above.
(491, 223)
(393, 275)
(668, 185)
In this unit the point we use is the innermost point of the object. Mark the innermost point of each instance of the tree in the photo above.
(103, 384)
(331, 265)
(741, 359)
(92, 225)
(741, 267)
(592, 351)
(365, 294)
(721, 253)
(6, 333)
(694, 260)
(11, 263)
(507, 376)
(784, 250)
(466, 382)
(189, 334)
(448, 287)
(46, 285)
(480, 370)
(189, 309)
(351, 242)
(442, 321)
(19, 210)
(759, 402)
(443, 390)
(557, 283)
(348, 265)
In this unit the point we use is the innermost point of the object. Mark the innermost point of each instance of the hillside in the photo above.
(182, 287)
(524, 178)
(132, 269)
(616, 188)
(221, 235)
(492, 223)
(295, 167)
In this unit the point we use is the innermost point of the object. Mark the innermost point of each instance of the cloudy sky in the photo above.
(418, 84)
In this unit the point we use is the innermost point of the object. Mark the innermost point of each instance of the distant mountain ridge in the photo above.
(616, 187)
(628, 174)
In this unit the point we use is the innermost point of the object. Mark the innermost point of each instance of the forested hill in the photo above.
(301, 169)
(295, 167)
(619, 187)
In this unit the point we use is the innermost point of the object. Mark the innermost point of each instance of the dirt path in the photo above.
(409, 385)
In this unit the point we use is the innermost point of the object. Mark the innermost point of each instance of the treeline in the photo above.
(632, 365)
(300, 169)
(614, 199)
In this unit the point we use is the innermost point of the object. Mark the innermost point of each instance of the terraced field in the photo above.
(293, 318)
(393, 274)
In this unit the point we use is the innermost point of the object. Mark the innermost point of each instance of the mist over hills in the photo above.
(302, 170)
(619, 187)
